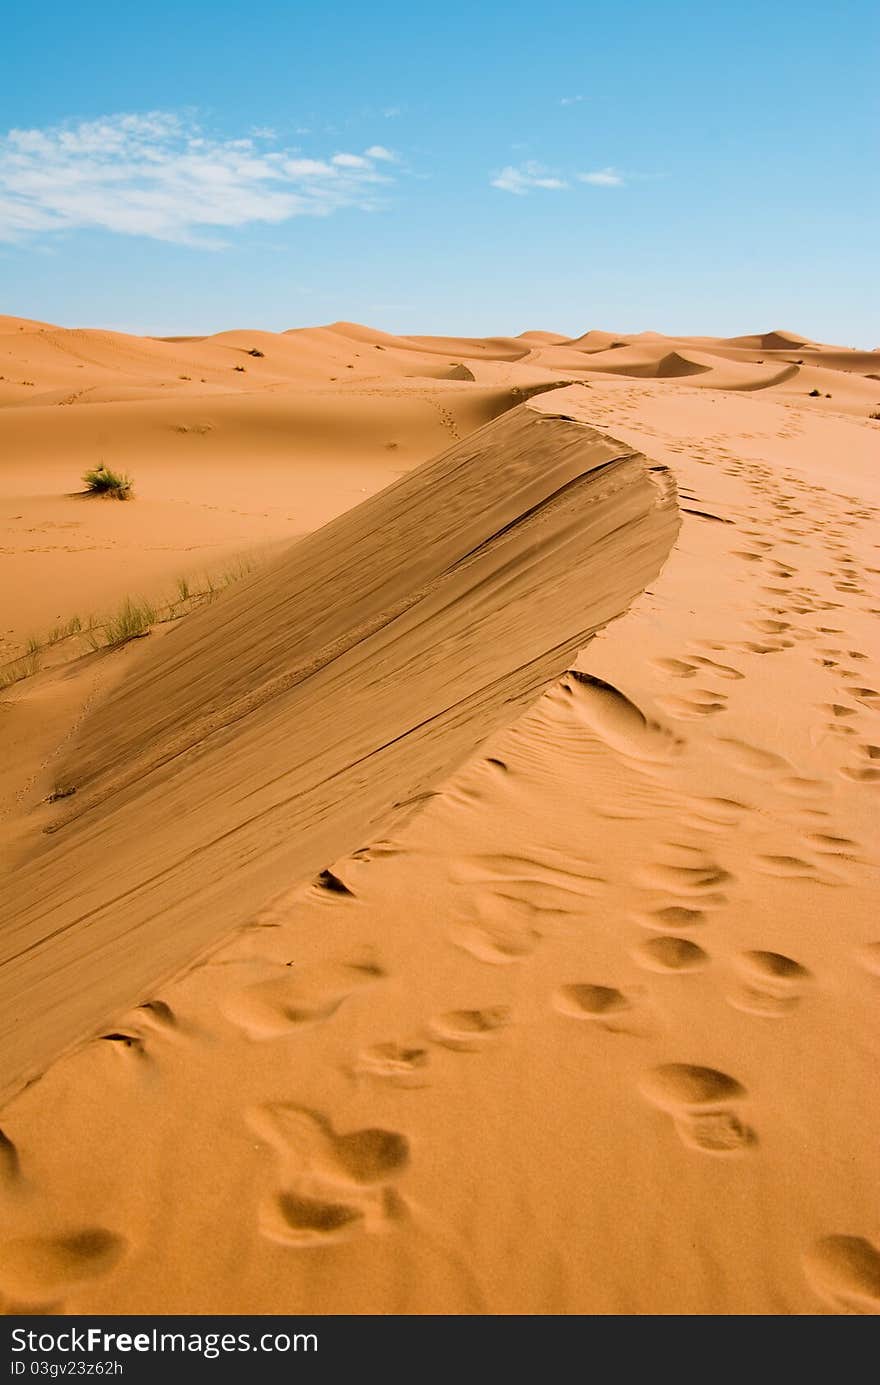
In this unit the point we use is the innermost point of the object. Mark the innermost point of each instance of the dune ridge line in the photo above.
(345, 678)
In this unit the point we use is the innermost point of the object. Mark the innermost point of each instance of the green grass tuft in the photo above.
(102, 481)
(63, 632)
(21, 668)
(133, 618)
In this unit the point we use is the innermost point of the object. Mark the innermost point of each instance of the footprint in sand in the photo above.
(676, 668)
(497, 929)
(36, 1268)
(148, 1023)
(701, 1102)
(671, 916)
(744, 553)
(603, 1005)
(772, 984)
(327, 882)
(845, 1272)
(861, 774)
(307, 1140)
(828, 845)
(688, 668)
(870, 752)
(469, 1030)
(376, 851)
(838, 710)
(555, 883)
(776, 647)
(799, 868)
(122, 1042)
(403, 1064)
(334, 1184)
(699, 875)
(671, 954)
(297, 1220)
(719, 670)
(714, 814)
(865, 773)
(787, 867)
(699, 703)
(770, 627)
(751, 758)
(271, 1008)
(799, 786)
(609, 714)
(157, 1015)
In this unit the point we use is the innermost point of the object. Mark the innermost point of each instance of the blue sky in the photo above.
(684, 167)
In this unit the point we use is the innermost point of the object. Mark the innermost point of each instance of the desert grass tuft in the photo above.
(64, 632)
(61, 791)
(102, 481)
(133, 619)
(24, 667)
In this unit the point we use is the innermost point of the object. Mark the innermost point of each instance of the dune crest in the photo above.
(330, 669)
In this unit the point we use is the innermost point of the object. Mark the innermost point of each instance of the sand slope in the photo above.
(409, 617)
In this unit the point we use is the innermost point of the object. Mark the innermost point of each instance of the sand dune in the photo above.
(543, 338)
(445, 558)
(771, 341)
(391, 956)
(215, 478)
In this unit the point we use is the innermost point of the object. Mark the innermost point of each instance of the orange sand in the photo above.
(391, 956)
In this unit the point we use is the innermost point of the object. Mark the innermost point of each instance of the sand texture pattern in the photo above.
(472, 909)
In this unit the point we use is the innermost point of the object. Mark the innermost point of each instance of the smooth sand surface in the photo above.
(383, 953)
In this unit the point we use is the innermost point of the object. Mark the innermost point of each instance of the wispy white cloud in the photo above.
(160, 175)
(525, 177)
(602, 178)
(571, 100)
(378, 151)
(350, 161)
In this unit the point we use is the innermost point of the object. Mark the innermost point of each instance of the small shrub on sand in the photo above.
(102, 481)
(814, 394)
(133, 618)
(61, 791)
(64, 632)
(875, 415)
(254, 352)
(21, 668)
